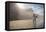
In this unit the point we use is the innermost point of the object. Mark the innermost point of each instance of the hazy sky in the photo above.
(37, 8)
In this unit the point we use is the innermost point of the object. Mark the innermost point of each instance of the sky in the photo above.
(37, 8)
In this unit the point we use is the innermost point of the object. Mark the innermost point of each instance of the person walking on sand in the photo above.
(34, 20)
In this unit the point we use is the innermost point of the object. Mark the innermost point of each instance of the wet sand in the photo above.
(18, 24)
